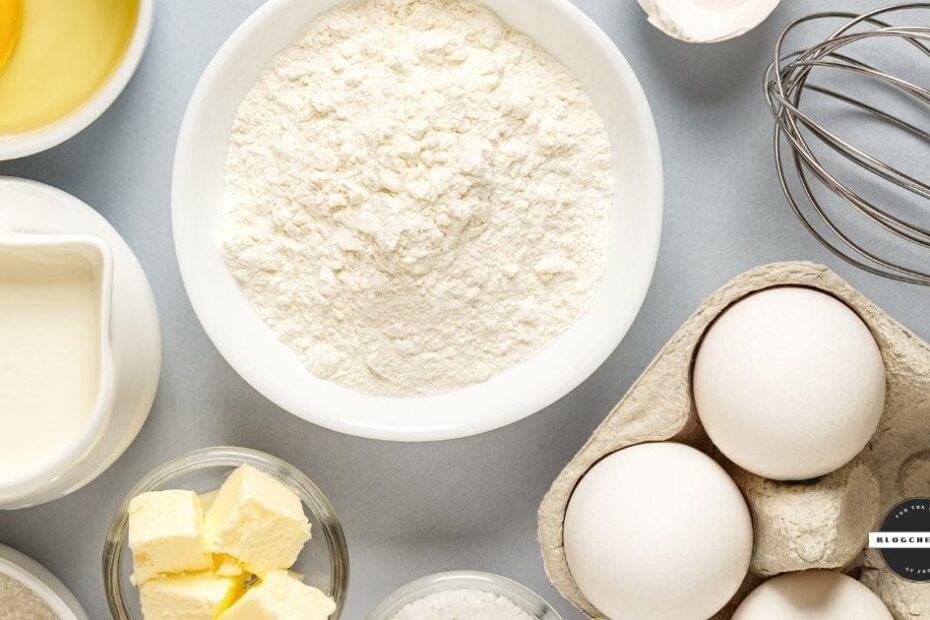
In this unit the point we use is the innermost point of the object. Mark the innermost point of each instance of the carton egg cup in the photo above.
(822, 523)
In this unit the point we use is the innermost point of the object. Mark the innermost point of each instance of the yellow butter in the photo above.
(166, 534)
(227, 566)
(281, 596)
(257, 520)
(206, 499)
(199, 596)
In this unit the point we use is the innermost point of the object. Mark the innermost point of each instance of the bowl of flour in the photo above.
(417, 219)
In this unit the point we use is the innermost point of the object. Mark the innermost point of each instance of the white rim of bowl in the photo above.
(16, 145)
(547, 393)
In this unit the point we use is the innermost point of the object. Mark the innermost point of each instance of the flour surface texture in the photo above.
(417, 196)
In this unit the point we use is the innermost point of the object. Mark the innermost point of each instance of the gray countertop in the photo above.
(410, 510)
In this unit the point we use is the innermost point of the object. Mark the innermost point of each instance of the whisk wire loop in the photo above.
(787, 83)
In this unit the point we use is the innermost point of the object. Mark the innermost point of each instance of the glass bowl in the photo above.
(520, 595)
(203, 471)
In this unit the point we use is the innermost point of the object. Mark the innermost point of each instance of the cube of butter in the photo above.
(257, 520)
(281, 596)
(166, 534)
(198, 596)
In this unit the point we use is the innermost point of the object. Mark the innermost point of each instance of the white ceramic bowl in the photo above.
(271, 368)
(43, 583)
(17, 145)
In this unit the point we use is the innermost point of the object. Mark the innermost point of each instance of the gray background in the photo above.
(410, 510)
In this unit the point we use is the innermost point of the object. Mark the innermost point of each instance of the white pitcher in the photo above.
(48, 474)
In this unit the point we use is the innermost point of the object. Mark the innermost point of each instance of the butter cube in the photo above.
(257, 520)
(198, 596)
(281, 596)
(166, 534)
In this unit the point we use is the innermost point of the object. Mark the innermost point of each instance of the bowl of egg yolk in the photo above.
(62, 64)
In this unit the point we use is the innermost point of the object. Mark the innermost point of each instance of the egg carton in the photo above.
(797, 525)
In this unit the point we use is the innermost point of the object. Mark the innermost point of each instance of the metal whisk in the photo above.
(788, 84)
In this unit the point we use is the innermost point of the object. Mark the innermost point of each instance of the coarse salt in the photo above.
(19, 602)
(463, 605)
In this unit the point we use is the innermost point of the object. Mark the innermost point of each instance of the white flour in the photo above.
(417, 196)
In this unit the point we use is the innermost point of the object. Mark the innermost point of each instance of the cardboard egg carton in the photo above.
(797, 525)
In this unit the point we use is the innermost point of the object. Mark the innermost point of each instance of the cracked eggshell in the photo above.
(707, 21)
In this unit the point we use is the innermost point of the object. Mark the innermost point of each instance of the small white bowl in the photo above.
(43, 583)
(253, 350)
(15, 145)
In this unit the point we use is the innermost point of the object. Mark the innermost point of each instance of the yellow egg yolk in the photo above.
(11, 23)
(64, 52)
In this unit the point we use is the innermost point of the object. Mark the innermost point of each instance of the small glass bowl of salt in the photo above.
(464, 594)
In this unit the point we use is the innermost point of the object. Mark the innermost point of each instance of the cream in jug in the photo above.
(52, 308)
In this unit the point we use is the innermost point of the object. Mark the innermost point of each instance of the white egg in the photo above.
(707, 21)
(812, 595)
(658, 531)
(789, 383)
